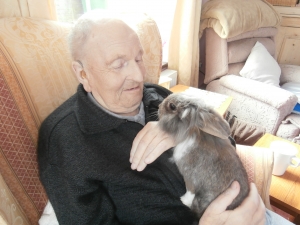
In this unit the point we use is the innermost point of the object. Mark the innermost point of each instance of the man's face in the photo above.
(114, 68)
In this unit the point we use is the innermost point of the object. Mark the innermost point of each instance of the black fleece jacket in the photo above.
(83, 156)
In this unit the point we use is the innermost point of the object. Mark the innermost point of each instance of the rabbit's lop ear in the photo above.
(212, 123)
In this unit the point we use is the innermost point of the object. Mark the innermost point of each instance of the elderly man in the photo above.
(99, 162)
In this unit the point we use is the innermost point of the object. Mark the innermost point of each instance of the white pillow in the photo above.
(261, 66)
(48, 217)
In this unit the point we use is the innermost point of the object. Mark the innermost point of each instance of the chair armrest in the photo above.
(269, 94)
(289, 73)
(255, 102)
(258, 163)
(10, 210)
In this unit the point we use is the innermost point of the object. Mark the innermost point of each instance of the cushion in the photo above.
(238, 51)
(261, 66)
(48, 217)
(233, 17)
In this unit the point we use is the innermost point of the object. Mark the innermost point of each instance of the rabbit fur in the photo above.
(203, 154)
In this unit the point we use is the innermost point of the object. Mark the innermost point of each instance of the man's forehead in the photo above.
(111, 28)
(113, 39)
(123, 49)
(112, 33)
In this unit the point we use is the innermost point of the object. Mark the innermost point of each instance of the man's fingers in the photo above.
(252, 200)
(163, 145)
(140, 143)
(148, 145)
(251, 211)
(139, 154)
(136, 143)
(153, 151)
(144, 148)
(148, 150)
(253, 206)
(142, 158)
(220, 204)
(261, 213)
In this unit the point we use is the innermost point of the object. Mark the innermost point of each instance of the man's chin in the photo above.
(134, 107)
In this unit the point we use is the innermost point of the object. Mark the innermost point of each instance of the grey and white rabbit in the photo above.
(204, 153)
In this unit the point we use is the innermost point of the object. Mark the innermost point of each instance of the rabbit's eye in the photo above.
(172, 106)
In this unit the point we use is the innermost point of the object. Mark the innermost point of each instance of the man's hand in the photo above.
(148, 145)
(250, 212)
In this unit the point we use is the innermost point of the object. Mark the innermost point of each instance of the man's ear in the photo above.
(77, 68)
(81, 75)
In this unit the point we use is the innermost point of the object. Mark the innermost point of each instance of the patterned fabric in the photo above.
(10, 213)
(38, 51)
(18, 152)
(258, 163)
(32, 61)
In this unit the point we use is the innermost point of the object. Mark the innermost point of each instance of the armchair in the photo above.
(254, 102)
(35, 78)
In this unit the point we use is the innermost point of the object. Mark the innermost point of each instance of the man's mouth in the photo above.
(132, 89)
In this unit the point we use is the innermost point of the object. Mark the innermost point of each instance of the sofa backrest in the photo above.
(228, 56)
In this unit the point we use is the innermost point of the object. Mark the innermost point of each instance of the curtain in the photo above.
(184, 42)
(44, 9)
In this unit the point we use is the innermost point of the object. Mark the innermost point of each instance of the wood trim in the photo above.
(290, 21)
(281, 57)
(287, 10)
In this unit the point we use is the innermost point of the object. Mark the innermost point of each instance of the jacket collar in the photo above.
(92, 119)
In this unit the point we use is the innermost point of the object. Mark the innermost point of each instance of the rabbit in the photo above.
(204, 153)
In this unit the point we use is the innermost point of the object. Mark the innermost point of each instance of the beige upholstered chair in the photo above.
(253, 101)
(35, 78)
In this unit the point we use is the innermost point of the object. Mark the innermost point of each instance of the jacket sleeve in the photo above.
(75, 201)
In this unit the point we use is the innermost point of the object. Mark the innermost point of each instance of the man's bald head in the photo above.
(106, 22)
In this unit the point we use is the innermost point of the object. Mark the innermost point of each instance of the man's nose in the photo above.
(137, 71)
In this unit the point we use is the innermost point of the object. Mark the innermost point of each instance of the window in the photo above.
(162, 11)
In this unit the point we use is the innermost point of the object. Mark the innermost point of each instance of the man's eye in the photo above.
(118, 64)
(139, 60)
